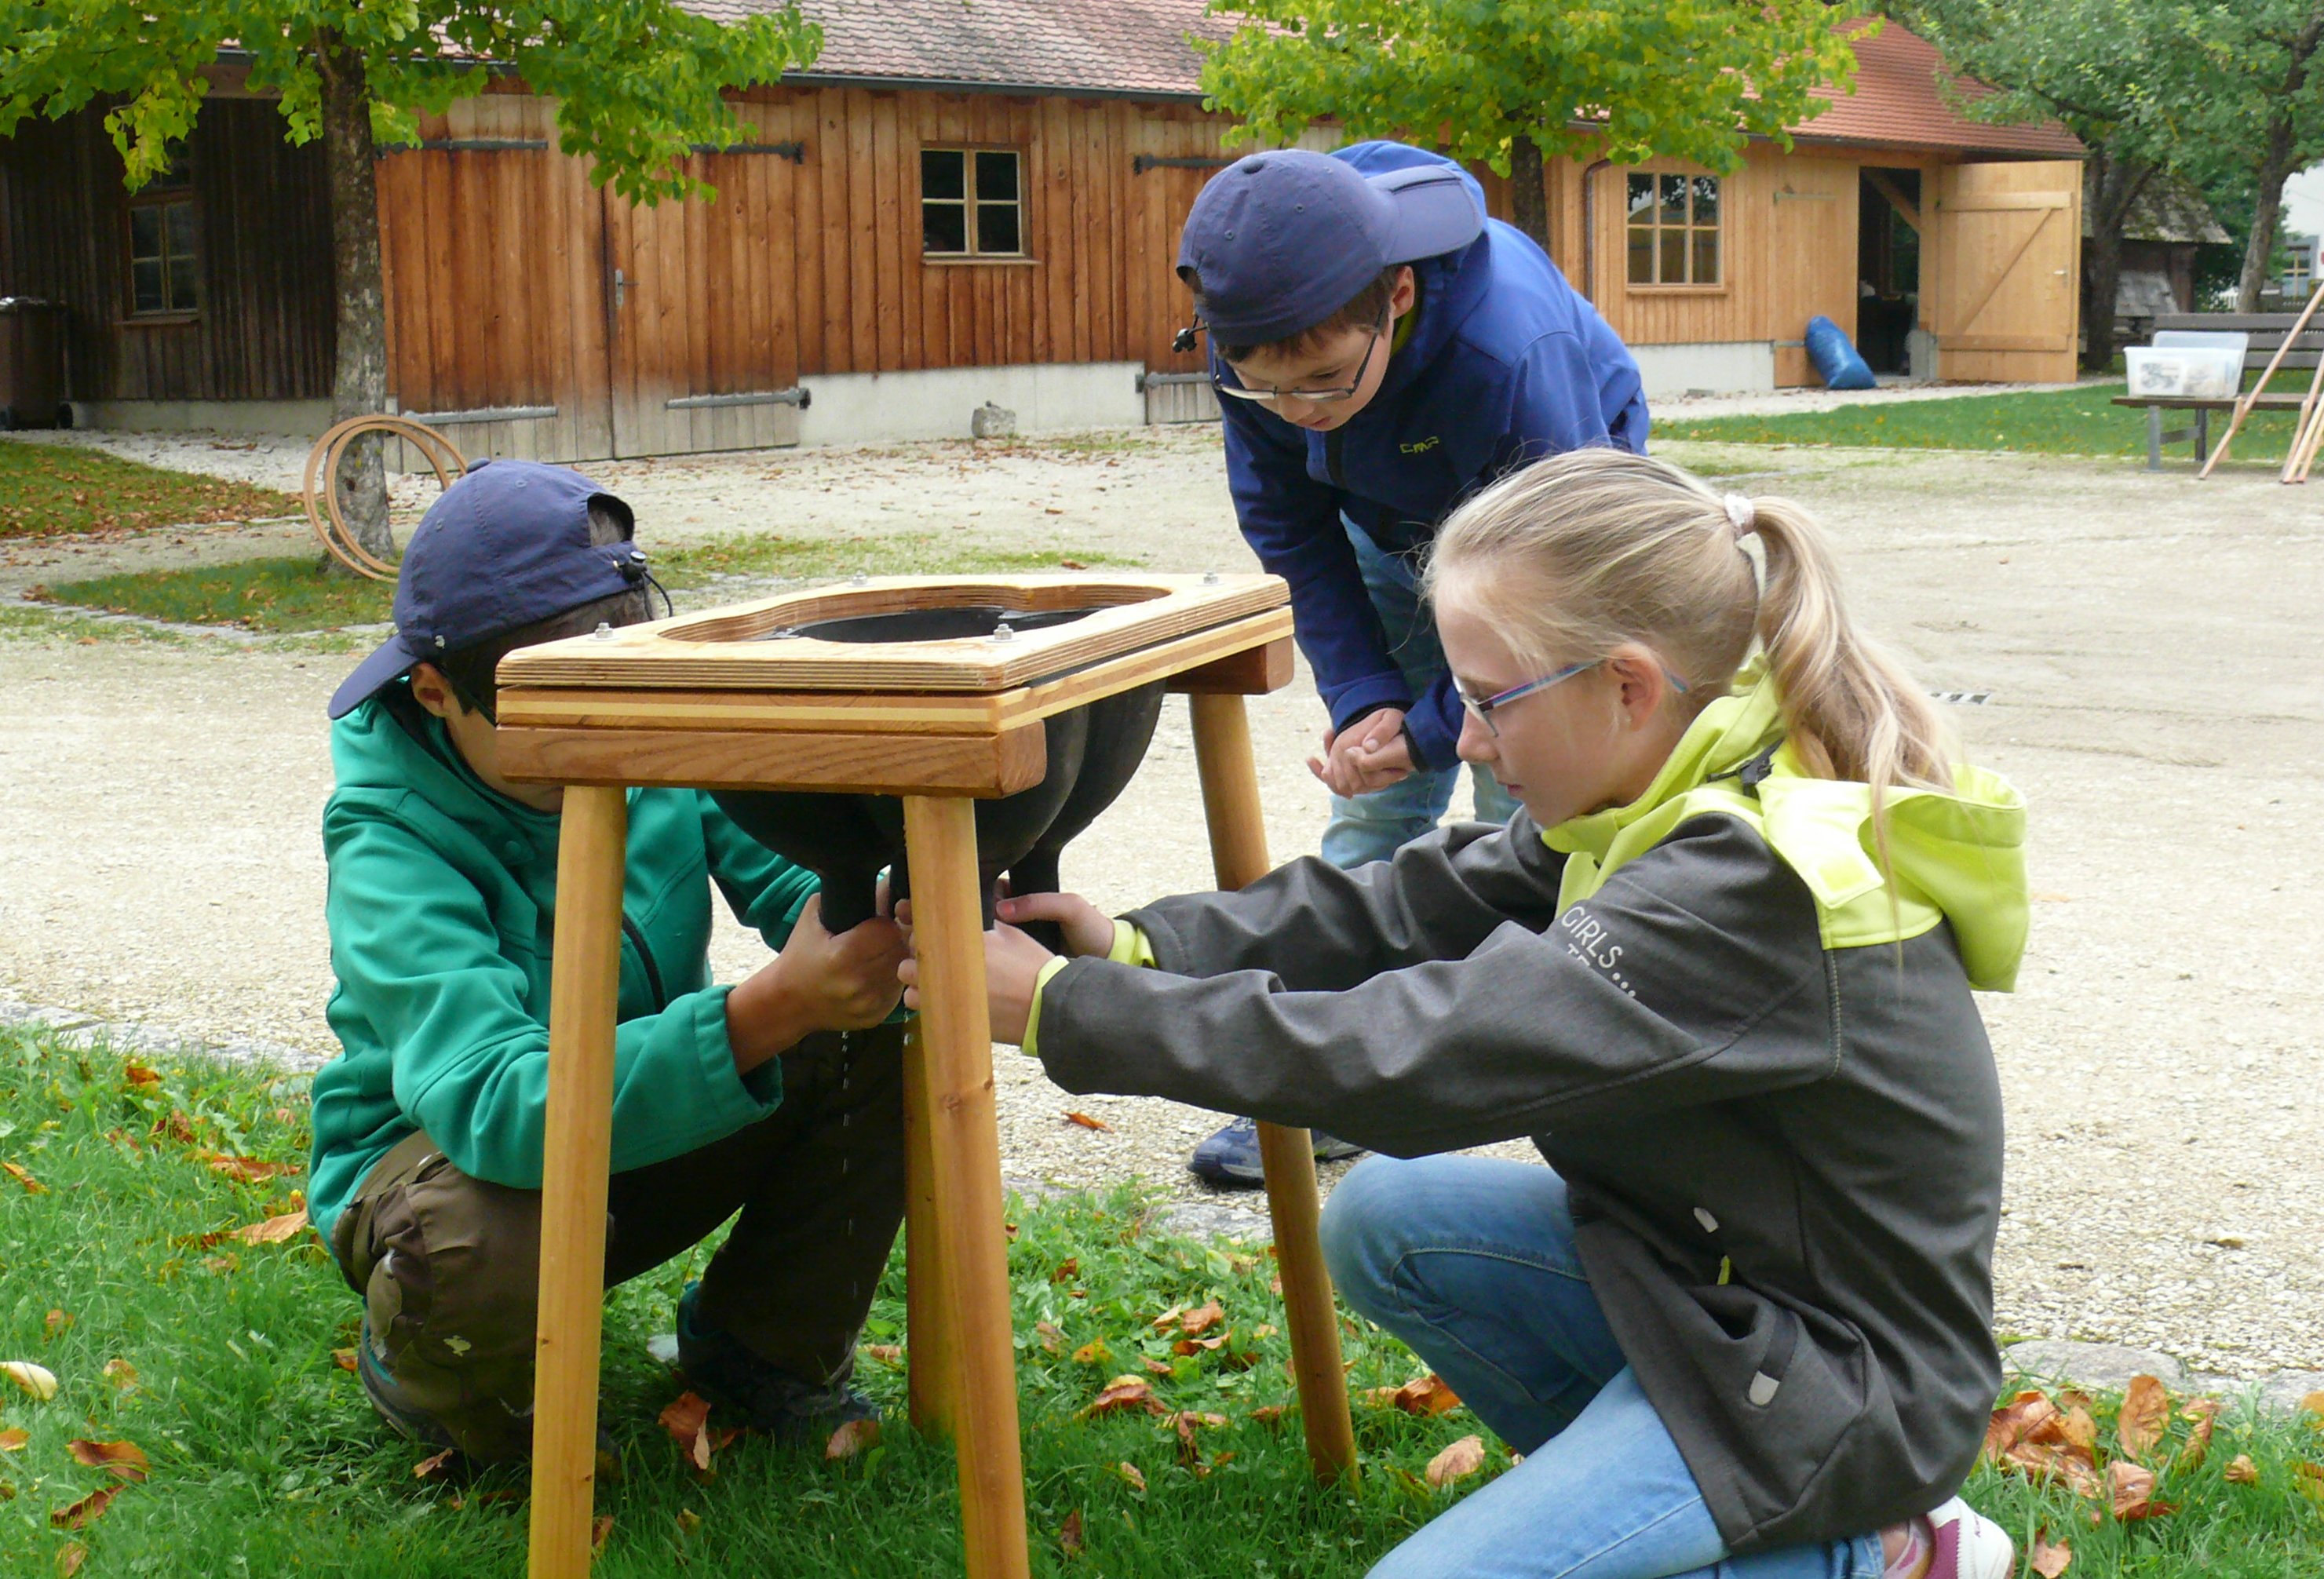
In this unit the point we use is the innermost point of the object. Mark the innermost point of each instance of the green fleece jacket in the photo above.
(442, 912)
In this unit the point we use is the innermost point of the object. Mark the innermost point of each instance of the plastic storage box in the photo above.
(2204, 373)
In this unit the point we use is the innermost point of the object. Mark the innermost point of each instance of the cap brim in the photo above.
(1434, 213)
(390, 658)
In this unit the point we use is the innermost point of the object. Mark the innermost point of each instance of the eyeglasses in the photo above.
(1481, 708)
(1312, 396)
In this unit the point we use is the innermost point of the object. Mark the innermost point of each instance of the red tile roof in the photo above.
(1898, 103)
(1138, 48)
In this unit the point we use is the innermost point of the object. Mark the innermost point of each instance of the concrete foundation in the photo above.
(858, 408)
(297, 419)
(1724, 367)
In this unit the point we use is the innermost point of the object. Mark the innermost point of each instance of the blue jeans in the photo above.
(1470, 1261)
(1375, 826)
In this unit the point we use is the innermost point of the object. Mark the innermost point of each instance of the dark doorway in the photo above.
(1887, 267)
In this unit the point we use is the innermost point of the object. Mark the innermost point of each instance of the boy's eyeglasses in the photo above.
(1481, 708)
(1312, 396)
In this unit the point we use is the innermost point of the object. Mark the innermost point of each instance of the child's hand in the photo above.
(817, 983)
(1087, 928)
(1012, 968)
(1371, 753)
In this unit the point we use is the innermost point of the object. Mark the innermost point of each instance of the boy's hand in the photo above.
(817, 983)
(1087, 928)
(1371, 753)
(1012, 968)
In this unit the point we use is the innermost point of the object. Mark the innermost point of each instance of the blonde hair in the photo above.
(1573, 556)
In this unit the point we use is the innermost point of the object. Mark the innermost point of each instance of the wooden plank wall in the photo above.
(264, 327)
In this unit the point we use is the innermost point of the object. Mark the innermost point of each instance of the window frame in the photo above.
(172, 188)
(968, 202)
(1724, 285)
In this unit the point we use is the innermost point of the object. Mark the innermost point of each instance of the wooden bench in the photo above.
(2267, 332)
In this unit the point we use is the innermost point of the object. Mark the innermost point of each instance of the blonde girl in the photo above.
(1719, 968)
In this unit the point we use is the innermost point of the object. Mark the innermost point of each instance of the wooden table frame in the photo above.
(595, 739)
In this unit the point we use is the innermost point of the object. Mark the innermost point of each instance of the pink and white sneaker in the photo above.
(1969, 1545)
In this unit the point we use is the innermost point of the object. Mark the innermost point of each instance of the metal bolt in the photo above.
(859, 579)
(605, 631)
(1210, 577)
(1001, 632)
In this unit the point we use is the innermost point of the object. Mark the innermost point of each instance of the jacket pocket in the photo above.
(1795, 1382)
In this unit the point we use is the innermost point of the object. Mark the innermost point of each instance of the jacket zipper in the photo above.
(631, 930)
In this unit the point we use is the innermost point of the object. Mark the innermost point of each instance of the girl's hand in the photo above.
(1087, 928)
(1371, 753)
(1012, 968)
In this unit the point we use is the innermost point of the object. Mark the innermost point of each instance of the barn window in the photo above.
(971, 203)
(1673, 230)
(162, 268)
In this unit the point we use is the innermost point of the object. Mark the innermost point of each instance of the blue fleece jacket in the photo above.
(1507, 363)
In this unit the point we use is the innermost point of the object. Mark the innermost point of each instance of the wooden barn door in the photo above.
(700, 310)
(1810, 265)
(2001, 263)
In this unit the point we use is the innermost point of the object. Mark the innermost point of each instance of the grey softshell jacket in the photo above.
(1784, 1159)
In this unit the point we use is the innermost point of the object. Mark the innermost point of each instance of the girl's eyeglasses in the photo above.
(1481, 708)
(1313, 396)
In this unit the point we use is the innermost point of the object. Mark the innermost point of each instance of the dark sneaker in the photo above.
(784, 1406)
(379, 1385)
(1229, 1158)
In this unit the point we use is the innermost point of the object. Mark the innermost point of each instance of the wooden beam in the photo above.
(979, 766)
(1906, 209)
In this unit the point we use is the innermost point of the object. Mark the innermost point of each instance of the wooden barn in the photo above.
(960, 205)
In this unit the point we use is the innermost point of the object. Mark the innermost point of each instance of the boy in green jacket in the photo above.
(779, 1097)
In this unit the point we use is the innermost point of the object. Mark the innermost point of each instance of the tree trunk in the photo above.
(2117, 186)
(359, 383)
(2275, 160)
(1529, 204)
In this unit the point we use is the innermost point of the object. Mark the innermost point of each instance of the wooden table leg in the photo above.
(928, 1328)
(1239, 855)
(584, 980)
(964, 1150)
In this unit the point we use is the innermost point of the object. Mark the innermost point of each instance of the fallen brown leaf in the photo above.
(1066, 1271)
(2203, 1412)
(689, 1520)
(1169, 1318)
(687, 1419)
(221, 1264)
(1052, 1335)
(1069, 1538)
(248, 1169)
(1190, 1453)
(1132, 1473)
(2310, 1478)
(139, 1074)
(1270, 1414)
(1126, 1392)
(72, 1554)
(1197, 1322)
(598, 1530)
(430, 1468)
(1265, 1329)
(344, 1359)
(2076, 1428)
(1425, 1396)
(2011, 1422)
(2313, 1403)
(1093, 1352)
(1196, 1345)
(124, 1459)
(2050, 1560)
(14, 1438)
(123, 1375)
(274, 1230)
(1458, 1462)
(851, 1439)
(56, 1322)
(88, 1510)
(2145, 1417)
(1157, 1367)
(886, 1353)
(177, 1127)
(2241, 1471)
(22, 1176)
(1087, 1122)
(2131, 1487)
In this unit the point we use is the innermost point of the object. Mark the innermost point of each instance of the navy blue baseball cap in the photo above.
(506, 545)
(1284, 240)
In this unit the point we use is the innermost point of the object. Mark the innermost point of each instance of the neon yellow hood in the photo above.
(1957, 856)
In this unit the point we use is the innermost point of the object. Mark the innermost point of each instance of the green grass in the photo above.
(266, 1460)
(49, 490)
(2079, 420)
(293, 593)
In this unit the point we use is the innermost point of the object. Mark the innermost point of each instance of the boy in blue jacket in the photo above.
(779, 1098)
(1381, 350)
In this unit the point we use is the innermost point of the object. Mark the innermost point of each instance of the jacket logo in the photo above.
(1588, 940)
(1419, 446)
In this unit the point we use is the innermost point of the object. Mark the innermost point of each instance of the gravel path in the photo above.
(2149, 643)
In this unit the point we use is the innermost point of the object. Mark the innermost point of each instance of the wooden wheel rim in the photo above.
(323, 465)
